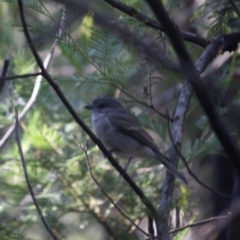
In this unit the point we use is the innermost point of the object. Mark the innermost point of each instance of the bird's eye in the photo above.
(101, 105)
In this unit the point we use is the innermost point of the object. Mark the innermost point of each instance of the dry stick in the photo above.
(212, 190)
(104, 192)
(37, 85)
(81, 123)
(48, 228)
(234, 209)
(20, 76)
(191, 37)
(199, 223)
(205, 221)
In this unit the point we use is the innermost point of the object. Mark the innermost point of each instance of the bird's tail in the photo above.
(170, 167)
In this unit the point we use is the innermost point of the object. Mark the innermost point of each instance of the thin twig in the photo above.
(234, 210)
(48, 228)
(126, 92)
(205, 221)
(20, 76)
(148, 204)
(103, 191)
(199, 223)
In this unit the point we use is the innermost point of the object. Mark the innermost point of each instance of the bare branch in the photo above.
(48, 228)
(20, 76)
(199, 223)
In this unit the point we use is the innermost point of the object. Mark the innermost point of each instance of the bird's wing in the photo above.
(129, 125)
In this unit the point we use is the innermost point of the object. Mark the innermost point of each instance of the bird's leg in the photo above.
(126, 166)
(111, 151)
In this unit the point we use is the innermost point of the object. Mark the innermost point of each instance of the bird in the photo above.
(122, 133)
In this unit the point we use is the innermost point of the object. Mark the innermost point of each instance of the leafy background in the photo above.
(90, 62)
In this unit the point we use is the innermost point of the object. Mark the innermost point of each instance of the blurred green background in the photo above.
(89, 62)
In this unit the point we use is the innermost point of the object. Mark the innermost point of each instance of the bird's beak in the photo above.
(90, 107)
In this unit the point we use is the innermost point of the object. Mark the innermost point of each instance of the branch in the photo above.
(48, 228)
(177, 130)
(81, 123)
(199, 223)
(204, 185)
(190, 37)
(104, 192)
(234, 210)
(20, 76)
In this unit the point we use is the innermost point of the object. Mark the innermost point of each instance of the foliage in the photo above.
(218, 14)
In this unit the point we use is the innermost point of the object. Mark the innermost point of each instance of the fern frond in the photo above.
(46, 29)
(218, 12)
(34, 5)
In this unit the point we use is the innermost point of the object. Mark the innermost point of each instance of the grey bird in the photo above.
(121, 133)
